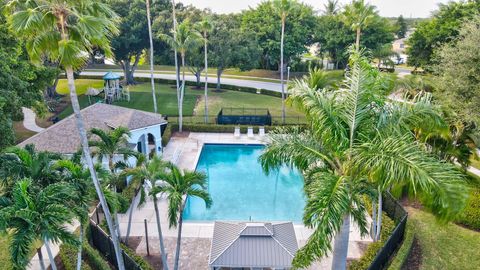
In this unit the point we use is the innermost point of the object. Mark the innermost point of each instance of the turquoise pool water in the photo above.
(242, 191)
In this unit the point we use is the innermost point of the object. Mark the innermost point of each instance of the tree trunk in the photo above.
(206, 77)
(182, 92)
(179, 236)
(160, 235)
(281, 69)
(130, 215)
(151, 57)
(219, 75)
(88, 159)
(175, 49)
(373, 232)
(40, 258)
(51, 91)
(50, 254)
(117, 222)
(340, 249)
(379, 216)
(357, 43)
(79, 253)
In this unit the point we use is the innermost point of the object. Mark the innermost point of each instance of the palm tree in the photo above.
(78, 177)
(17, 163)
(64, 32)
(182, 40)
(358, 144)
(149, 172)
(33, 214)
(205, 27)
(147, 3)
(178, 186)
(177, 71)
(283, 8)
(358, 15)
(331, 7)
(110, 144)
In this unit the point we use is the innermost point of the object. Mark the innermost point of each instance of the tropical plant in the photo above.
(64, 32)
(283, 8)
(108, 144)
(149, 171)
(205, 27)
(182, 40)
(332, 7)
(17, 163)
(36, 214)
(178, 186)
(358, 15)
(79, 178)
(357, 144)
(320, 79)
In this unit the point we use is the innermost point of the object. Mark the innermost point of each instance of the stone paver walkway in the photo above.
(29, 123)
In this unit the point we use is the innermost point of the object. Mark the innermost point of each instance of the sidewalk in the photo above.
(29, 123)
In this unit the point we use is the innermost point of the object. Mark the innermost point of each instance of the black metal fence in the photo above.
(396, 212)
(101, 241)
(213, 120)
(244, 116)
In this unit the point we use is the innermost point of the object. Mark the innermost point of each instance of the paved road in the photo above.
(237, 82)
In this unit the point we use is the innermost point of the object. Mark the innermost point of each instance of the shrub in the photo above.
(388, 225)
(167, 134)
(470, 216)
(68, 255)
(94, 258)
(138, 259)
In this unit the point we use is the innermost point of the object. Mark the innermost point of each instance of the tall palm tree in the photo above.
(108, 144)
(358, 15)
(283, 8)
(332, 7)
(205, 26)
(33, 214)
(78, 177)
(174, 27)
(64, 32)
(147, 3)
(178, 186)
(358, 144)
(149, 171)
(182, 40)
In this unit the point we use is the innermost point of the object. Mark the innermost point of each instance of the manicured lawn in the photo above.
(21, 133)
(475, 163)
(81, 86)
(444, 246)
(141, 99)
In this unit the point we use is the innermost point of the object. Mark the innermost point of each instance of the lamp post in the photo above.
(288, 75)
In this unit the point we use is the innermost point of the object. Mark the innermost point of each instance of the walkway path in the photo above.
(213, 79)
(29, 123)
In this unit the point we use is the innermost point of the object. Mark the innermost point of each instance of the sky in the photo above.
(387, 8)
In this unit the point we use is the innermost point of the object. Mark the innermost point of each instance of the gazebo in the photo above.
(252, 245)
(112, 88)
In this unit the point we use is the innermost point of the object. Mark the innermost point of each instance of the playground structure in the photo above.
(113, 90)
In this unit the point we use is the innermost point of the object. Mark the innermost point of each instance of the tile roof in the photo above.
(253, 245)
(63, 137)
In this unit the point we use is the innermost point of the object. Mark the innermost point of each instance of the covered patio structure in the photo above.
(252, 246)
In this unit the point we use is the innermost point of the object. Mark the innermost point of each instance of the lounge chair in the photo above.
(261, 131)
(250, 132)
(236, 133)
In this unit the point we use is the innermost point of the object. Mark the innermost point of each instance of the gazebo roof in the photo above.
(256, 245)
(111, 76)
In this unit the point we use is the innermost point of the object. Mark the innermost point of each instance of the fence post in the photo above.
(146, 236)
(96, 213)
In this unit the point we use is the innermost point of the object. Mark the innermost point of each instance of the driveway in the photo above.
(212, 79)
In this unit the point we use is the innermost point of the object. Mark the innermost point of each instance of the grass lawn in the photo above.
(444, 246)
(141, 99)
(21, 133)
(81, 86)
(475, 163)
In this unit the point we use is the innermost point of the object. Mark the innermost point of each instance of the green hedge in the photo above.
(138, 259)
(388, 225)
(404, 251)
(470, 216)
(94, 258)
(68, 255)
(167, 134)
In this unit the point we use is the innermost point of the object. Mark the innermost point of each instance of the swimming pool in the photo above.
(242, 191)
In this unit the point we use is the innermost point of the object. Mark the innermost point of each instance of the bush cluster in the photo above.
(138, 259)
(167, 134)
(388, 225)
(470, 216)
(68, 255)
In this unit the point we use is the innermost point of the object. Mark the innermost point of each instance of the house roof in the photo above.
(111, 76)
(253, 245)
(63, 136)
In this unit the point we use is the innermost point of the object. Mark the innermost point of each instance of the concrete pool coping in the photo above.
(185, 150)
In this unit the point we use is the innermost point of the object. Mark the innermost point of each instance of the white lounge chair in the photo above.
(250, 132)
(236, 133)
(261, 131)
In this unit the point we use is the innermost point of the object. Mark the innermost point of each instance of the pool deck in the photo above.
(184, 150)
